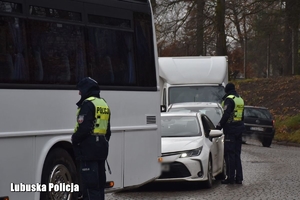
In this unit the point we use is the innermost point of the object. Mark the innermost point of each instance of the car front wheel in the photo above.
(222, 175)
(209, 181)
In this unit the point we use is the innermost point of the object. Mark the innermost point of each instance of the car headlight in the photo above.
(191, 153)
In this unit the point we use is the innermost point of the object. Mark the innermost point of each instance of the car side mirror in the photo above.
(215, 133)
(163, 108)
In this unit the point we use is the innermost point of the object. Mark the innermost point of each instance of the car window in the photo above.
(213, 113)
(207, 125)
(257, 113)
(179, 126)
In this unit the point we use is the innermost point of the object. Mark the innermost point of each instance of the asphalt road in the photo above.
(269, 174)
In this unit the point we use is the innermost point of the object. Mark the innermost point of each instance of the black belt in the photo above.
(235, 123)
(99, 136)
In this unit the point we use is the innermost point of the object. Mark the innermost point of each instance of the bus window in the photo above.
(54, 13)
(57, 52)
(110, 56)
(12, 51)
(145, 61)
(10, 7)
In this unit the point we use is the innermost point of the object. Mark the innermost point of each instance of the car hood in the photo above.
(174, 144)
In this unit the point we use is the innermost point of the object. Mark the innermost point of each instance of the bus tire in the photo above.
(58, 168)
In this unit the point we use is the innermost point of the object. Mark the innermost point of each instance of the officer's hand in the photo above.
(74, 142)
(219, 127)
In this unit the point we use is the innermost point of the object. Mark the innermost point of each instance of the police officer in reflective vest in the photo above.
(233, 127)
(90, 139)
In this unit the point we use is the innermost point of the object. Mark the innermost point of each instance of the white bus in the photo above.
(46, 47)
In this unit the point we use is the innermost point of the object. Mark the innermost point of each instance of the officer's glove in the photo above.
(219, 127)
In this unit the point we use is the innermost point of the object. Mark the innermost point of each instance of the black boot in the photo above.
(227, 181)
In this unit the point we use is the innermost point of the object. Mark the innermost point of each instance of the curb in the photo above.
(286, 143)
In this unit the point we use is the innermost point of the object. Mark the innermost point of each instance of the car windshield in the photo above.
(179, 126)
(214, 113)
(196, 94)
(257, 113)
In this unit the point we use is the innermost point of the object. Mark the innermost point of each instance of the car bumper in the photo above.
(184, 169)
(258, 134)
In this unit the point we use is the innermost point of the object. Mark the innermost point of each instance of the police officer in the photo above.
(233, 127)
(90, 139)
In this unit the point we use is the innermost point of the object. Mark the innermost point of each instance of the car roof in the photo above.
(258, 107)
(195, 104)
(184, 114)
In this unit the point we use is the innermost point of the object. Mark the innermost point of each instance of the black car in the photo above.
(259, 124)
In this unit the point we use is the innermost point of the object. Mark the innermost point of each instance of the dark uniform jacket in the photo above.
(233, 127)
(87, 146)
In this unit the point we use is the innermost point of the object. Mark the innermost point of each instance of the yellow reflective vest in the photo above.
(102, 114)
(237, 113)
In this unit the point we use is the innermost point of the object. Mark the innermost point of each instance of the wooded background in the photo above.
(260, 37)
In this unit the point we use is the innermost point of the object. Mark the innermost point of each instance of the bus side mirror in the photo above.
(163, 108)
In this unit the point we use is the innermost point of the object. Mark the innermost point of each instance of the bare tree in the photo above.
(221, 49)
(241, 15)
(200, 26)
(186, 21)
(257, 30)
(292, 9)
(171, 17)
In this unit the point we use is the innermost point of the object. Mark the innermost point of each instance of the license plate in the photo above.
(256, 128)
(165, 168)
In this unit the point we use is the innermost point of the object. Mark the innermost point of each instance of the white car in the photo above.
(213, 110)
(192, 149)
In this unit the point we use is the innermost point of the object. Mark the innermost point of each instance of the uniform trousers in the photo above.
(93, 179)
(232, 153)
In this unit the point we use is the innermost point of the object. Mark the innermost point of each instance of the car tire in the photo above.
(209, 181)
(222, 175)
(59, 167)
(266, 142)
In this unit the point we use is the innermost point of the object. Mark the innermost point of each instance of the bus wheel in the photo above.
(59, 170)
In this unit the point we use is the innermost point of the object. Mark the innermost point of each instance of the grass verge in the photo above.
(288, 128)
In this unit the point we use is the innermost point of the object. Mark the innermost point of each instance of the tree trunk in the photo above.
(221, 49)
(200, 25)
(291, 37)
